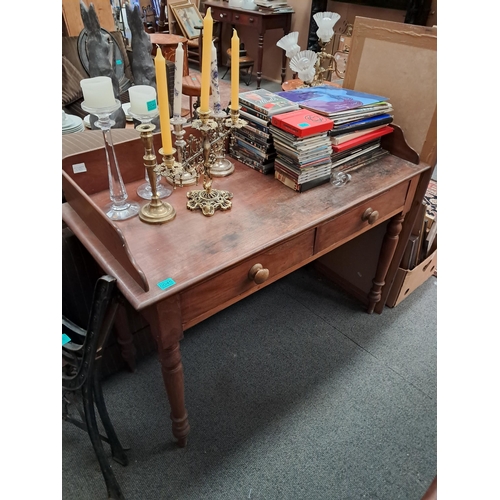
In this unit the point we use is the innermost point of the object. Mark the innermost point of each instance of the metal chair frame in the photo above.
(81, 375)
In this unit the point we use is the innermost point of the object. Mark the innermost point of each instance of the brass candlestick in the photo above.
(207, 199)
(222, 166)
(156, 211)
(235, 121)
(181, 174)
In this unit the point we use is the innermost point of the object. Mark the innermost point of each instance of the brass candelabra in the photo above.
(201, 156)
(289, 43)
(319, 68)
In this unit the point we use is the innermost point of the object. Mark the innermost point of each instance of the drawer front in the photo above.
(351, 223)
(222, 15)
(227, 286)
(246, 19)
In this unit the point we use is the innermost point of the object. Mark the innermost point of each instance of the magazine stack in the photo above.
(359, 121)
(273, 6)
(303, 149)
(253, 144)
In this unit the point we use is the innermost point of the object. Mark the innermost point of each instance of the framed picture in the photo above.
(172, 22)
(188, 17)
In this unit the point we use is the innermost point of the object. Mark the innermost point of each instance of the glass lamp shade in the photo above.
(325, 21)
(303, 63)
(289, 44)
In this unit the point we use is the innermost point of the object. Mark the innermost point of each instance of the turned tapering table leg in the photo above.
(286, 30)
(166, 326)
(386, 254)
(260, 55)
(173, 378)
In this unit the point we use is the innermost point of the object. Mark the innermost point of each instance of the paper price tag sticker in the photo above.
(65, 339)
(151, 105)
(166, 283)
(78, 168)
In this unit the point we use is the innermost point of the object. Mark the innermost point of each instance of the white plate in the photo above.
(81, 128)
(86, 121)
(126, 107)
(71, 122)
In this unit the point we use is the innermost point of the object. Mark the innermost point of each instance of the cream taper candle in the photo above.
(206, 57)
(162, 90)
(235, 70)
(215, 80)
(98, 92)
(179, 68)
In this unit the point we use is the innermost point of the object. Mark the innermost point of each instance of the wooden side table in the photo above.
(168, 43)
(207, 274)
(260, 22)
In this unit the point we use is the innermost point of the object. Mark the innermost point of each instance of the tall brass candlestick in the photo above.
(156, 211)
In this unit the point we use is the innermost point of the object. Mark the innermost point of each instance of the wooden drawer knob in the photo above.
(258, 274)
(370, 215)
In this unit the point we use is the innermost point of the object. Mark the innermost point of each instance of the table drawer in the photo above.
(222, 15)
(361, 218)
(246, 19)
(227, 287)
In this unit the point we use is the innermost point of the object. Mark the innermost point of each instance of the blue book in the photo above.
(363, 124)
(328, 100)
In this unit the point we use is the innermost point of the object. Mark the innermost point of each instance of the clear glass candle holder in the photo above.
(119, 208)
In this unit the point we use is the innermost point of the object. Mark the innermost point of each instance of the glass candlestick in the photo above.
(119, 208)
(339, 179)
(144, 190)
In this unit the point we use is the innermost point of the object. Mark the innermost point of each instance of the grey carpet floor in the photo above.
(293, 393)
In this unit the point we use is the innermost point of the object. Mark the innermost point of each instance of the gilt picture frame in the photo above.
(188, 17)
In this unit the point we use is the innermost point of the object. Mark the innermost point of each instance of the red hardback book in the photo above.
(362, 139)
(302, 123)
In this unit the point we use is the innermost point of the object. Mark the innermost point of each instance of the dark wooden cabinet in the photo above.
(259, 21)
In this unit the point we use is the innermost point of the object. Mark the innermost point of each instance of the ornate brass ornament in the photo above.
(208, 200)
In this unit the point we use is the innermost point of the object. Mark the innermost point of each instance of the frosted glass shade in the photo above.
(303, 63)
(98, 92)
(325, 21)
(143, 100)
(289, 44)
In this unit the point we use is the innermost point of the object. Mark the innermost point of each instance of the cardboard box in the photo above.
(407, 281)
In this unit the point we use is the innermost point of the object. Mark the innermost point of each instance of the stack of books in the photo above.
(273, 6)
(359, 121)
(253, 144)
(303, 149)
